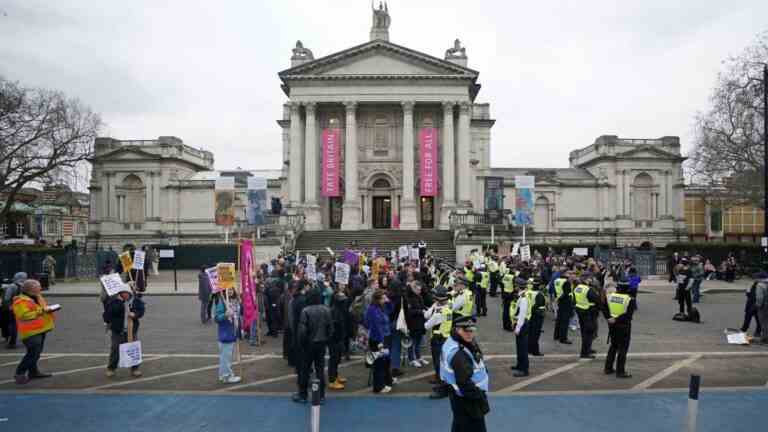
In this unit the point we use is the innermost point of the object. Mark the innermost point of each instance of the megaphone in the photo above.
(406, 342)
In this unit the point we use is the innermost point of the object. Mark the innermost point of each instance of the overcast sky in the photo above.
(557, 74)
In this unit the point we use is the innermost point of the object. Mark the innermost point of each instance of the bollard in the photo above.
(693, 403)
(314, 416)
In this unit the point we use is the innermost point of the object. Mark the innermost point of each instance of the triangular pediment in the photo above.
(377, 58)
(128, 153)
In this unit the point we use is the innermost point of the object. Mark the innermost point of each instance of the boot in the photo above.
(336, 385)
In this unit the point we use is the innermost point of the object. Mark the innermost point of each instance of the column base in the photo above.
(408, 216)
(445, 213)
(350, 220)
(313, 219)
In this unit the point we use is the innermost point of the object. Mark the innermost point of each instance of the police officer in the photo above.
(462, 367)
(439, 320)
(618, 311)
(564, 297)
(521, 314)
(586, 298)
(493, 268)
(463, 298)
(539, 303)
(507, 293)
(482, 293)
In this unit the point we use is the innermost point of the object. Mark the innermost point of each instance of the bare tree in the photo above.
(44, 136)
(727, 161)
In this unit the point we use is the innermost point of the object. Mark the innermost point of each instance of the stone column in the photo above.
(158, 191)
(351, 218)
(408, 205)
(296, 166)
(311, 148)
(466, 180)
(449, 167)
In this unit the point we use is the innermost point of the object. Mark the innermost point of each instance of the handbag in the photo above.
(401, 325)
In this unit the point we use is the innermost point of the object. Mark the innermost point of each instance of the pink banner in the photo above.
(250, 306)
(331, 153)
(428, 161)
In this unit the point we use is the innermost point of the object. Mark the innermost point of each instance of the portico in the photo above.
(382, 101)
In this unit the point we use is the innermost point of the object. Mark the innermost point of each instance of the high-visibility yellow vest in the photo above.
(444, 329)
(513, 311)
(31, 318)
(469, 304)
(559, 282)
(580, 294)
(503, 270)
(618, 304)
(469, 274)
(493, 266)
(485, 280)
(531, 296)
(509, 283)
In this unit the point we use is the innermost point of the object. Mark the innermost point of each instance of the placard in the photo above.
(130, 354)
(213, 278)
(515, 249)
(167, 253)
(581, 251)
(525, 253)
(764, 241)
(311, 267)
(112, 283)
(342, 273)
(257, 200)
(138, 260)
(403, 252)
(226, 272)
(415, 254)
(126, 261)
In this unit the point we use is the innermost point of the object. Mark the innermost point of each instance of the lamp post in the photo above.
(765, 167)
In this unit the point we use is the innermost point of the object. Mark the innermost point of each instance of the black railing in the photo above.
(458, 220)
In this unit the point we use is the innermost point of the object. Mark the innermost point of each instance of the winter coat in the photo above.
(227, 332)
(203, 287)
(114, 313)
(414, 313)
(315, 324)
(378, 324)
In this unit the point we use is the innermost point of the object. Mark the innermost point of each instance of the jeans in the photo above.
(414, 352)
(114, 352)
(12, 333)
(226, 349)
(683, 299)
(382, 372)
(696, 290)
(395, 352)
(34, 346)
(252, 331)
(205, 311)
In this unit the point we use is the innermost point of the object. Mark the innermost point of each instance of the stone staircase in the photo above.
(439, 243)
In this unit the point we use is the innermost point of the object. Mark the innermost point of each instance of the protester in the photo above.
(463, 368)
(415, 320)
(751, 307)
(10, 292)
(204, 295)
(227, 316)
(684, 282)
(49, 266)
(314, 332)
(122, 309)
(380, 340)
(336, 342)
(34, 319)
(761, 303)
(697, 273)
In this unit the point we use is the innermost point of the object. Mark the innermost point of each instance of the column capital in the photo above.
(310, 107)
(350, 106)
(407, 105)
(464, 107)
(448, 105)
(294, 106)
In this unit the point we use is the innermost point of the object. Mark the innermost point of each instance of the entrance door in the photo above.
(334, 204)
(382, 212)
(427, 212)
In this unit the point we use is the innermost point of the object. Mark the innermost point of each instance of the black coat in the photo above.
(114, 314)
(415, 313)
(474, 402)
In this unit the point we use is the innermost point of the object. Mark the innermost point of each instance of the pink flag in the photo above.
(330, 167)
(250, 307)
(428, 161)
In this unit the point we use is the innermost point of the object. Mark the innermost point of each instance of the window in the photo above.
(694, 215)
(19, 229)
(135, 199)
(541, 214)
(81, 227)
(381, 184)
(642, 186)
(51, 225)
(715, 220)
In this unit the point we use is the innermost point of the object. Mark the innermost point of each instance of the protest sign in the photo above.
(311, 267)
(515, 249)
(130, 354)
(126, 261)
(112, 283)
(213, 278)
(167, 253)
(138, 260)
(342, 273)
(415, 254)
(403, 252)
(226, 273)
(393, 255)
(525, 253)
(582, 251)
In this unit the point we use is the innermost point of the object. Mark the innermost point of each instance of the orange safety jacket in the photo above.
(31, 318)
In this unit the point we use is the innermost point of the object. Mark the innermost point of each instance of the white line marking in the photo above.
(275, 379)
(542, 377)
(71, 371)
(44, 357)
(168, 375)
(368, 389)
(168, 355)
(667, 372)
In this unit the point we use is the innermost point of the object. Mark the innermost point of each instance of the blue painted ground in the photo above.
(719, 411)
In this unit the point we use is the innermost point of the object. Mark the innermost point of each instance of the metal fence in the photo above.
(643, 260)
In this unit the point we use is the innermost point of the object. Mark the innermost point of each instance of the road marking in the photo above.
(168, 375)
(71, 371)
(275, 379)
(168, 355)
(44, 357)
(667, 372)
(542, 377)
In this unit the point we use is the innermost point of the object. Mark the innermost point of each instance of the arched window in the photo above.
(381, 184)
(643, 186)
(135, 199)
(541, 214)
